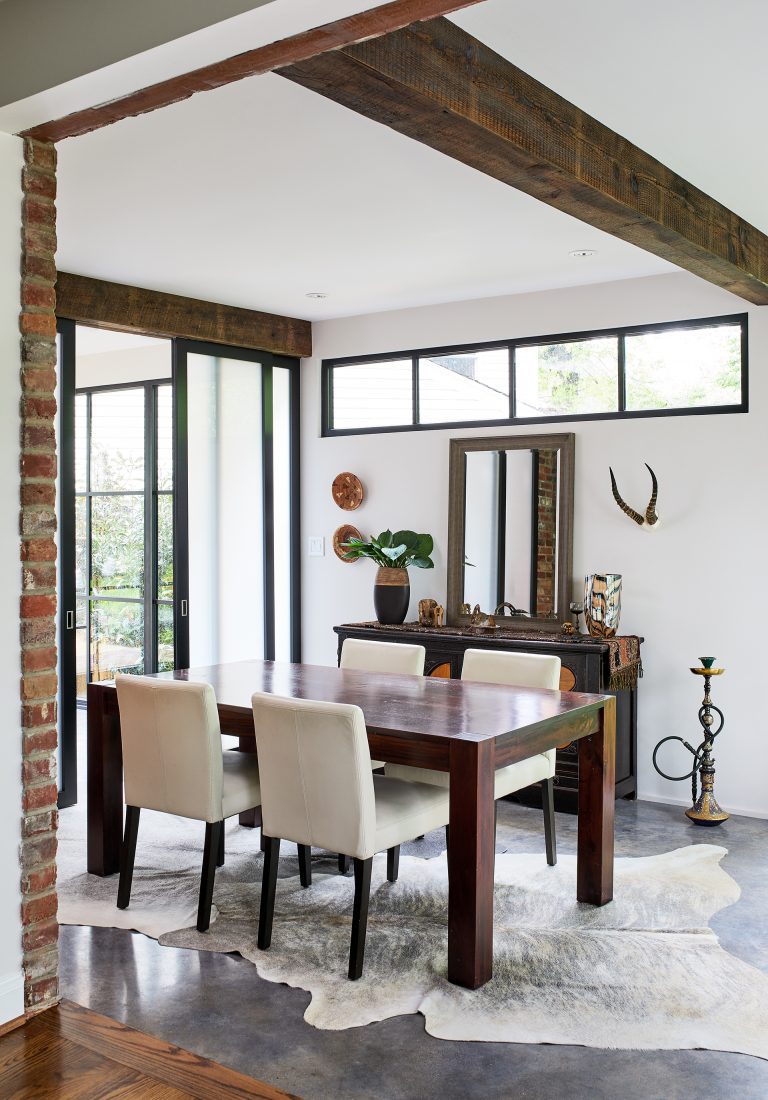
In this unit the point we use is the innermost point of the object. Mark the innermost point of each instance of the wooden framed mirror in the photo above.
(510, 529)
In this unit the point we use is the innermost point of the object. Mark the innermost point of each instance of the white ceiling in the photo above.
(261, 191)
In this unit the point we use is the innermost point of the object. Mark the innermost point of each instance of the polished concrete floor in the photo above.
(217, 1006)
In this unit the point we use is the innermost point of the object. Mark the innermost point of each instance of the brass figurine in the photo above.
(431, 613)
(426, 612)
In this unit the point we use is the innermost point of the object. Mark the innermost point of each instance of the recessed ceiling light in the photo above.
(583, 253)
(316, 294)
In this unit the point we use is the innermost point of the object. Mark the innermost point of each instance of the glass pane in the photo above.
(117, 440)
(373, 395)
(281, 452)
(226, 562)
(117, 546)
(165, 648)
(81, 545)
(164, 437)
(117, 639)
(165, 546)
(81, 442)
(684, 368)
(557, 379)
(81, 647)
(470, 385)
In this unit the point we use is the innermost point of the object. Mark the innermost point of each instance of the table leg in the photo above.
(105, 784)
(597, 802)
(249, 818)
(470, 864)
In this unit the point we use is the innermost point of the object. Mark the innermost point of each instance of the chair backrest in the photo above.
(315, 769)
(171, 746)
(535, 670)
(394, 657)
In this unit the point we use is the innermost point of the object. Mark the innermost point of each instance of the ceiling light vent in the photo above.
(582, 253)
(316, 294)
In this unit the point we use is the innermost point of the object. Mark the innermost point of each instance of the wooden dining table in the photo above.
(463, 728)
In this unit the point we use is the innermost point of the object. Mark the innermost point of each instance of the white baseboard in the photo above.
(667, 800)
(11, 997)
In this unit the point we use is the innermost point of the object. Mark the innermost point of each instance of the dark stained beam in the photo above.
(435, 83)
(330, 36)
(153, 313)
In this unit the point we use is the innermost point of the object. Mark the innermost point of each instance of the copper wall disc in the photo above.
(347, 491)
(341, 535)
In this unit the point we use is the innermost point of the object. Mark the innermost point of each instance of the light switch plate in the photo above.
(316, 546)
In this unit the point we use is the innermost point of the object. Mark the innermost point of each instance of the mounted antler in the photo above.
(651, 518)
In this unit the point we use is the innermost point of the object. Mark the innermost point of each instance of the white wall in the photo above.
(11, 982)
(696, 586)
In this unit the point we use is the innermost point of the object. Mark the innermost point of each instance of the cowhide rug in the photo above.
(644, 972)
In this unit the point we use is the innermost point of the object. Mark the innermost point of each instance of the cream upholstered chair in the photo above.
(394, 657)
(173, 762)
(318, 789)
(374, 656)
(516, 670)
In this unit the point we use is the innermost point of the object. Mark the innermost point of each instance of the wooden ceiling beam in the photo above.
(330, 36)
(155, 313)
(435, 83)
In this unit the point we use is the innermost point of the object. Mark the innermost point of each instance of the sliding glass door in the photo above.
(237, 563)
(178, 511)
(123, 531)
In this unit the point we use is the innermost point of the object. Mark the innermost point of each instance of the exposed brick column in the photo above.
(546, 533)
(38, 556)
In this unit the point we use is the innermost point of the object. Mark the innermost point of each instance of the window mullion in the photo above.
(512, 381)
(622, 379)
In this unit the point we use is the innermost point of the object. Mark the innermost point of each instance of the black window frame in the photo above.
(622, 413)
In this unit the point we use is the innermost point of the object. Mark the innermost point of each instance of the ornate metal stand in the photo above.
(705, 809)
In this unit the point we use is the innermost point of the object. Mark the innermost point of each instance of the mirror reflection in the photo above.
(511, 531)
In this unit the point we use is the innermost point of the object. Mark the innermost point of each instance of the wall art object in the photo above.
(347, 491)
(650, 520)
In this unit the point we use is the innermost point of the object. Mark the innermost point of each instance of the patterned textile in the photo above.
(622, 653)
(624, 662)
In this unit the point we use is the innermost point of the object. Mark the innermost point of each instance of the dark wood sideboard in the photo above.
(585, 667)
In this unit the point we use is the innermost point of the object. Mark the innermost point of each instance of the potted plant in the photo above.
(393, 554)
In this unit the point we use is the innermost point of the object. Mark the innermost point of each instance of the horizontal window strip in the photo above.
(673, 368)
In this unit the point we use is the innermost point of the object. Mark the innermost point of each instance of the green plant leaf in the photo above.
(384, 539)
(407, 538)
(393, 552)
(424, 545)
(423, 563)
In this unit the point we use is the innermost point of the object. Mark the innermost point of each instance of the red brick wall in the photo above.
(546, 533)
(38, 557)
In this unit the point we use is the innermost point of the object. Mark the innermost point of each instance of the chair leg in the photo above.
(220, 856)
(262, 840)
(305, 866)
(128, 856)
(393, 863)
(548, 803)
(343, 864)
(268, 887)
(213, 831)
(360, 916)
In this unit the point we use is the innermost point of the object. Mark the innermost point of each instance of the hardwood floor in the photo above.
(70, 1053)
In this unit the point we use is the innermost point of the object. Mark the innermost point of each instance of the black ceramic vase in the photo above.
(391, 594)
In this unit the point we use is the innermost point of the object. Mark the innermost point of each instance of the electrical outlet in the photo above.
(316, 546)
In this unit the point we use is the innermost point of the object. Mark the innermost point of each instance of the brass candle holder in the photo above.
(705, 809)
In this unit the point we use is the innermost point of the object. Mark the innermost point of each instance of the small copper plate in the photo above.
(344, 534)
(347, 491)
